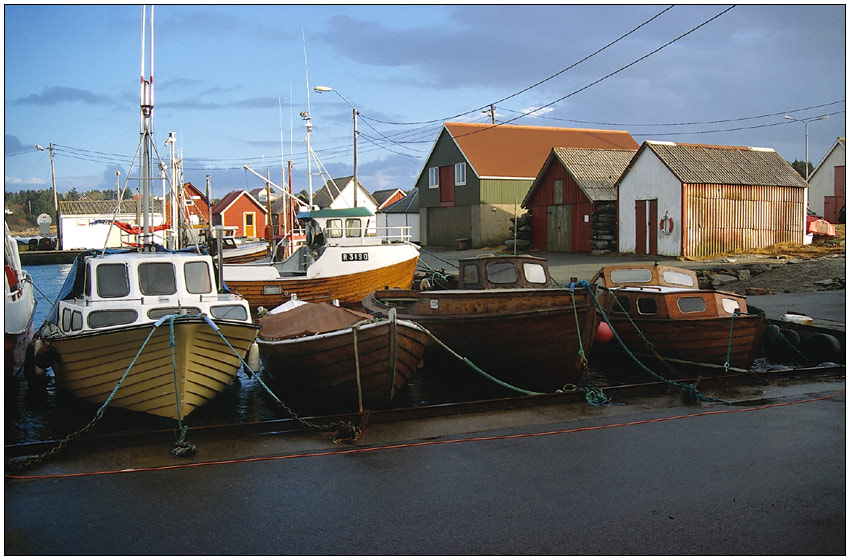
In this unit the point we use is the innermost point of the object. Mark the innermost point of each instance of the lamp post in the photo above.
(806, 123)
(322, 89)
(53, 179)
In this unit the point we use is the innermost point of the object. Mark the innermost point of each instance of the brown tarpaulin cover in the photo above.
(308, 319)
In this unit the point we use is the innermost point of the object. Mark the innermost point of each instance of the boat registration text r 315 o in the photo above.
(347, 257)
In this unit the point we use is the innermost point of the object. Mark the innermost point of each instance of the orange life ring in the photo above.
(666, 225)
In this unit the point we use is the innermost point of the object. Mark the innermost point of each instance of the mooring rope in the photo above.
(347, 431)
(182, 447)
(689, 391)
(21, 463)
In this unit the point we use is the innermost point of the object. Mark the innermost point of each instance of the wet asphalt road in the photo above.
(671, 479)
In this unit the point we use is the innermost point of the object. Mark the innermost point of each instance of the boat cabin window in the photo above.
(71, 320)
(501, 272)
(97, 319)
(161, 312)
(235, 312)
(112, 281)
(197, 277)
(534, 273)
(621, 304)
(625, 275)
(470, 275)
(647, 306)
(334, 228)
(691, 304)
(678, 278)
(730, 305)
(157, 279)
(353, 227)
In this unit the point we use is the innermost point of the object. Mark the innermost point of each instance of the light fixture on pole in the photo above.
(53, 179)
(806, 123)
(323, 89)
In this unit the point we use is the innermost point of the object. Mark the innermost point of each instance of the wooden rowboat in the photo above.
(664, 306)
(338, 355)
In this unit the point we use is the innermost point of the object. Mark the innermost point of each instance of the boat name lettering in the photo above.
(347, 257)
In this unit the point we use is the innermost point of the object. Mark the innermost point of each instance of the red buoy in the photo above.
(604, 332)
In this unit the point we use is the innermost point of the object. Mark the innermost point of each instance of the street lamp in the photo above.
(806, 123)
(323, 89)
(53, 178)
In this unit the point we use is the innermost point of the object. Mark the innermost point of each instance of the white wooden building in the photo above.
(85, 224)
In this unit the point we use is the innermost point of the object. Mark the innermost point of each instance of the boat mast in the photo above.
(146, 117)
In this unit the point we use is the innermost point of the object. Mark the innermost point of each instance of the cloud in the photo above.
(21, 182)
(60, 94)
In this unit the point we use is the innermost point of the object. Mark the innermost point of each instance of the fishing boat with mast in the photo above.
(340, 259)
(145, 329)
(19, 308)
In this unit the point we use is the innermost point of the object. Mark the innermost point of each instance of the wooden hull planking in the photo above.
(529, 338)
(89, 366)
(346, 288)
(696, 340)
(326, 365)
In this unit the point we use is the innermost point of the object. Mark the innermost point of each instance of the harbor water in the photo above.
(45, 412)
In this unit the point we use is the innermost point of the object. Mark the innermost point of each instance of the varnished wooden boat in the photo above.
(110, 304)
(337, 262)
(326, 352)
(664, 306)
(529, 338)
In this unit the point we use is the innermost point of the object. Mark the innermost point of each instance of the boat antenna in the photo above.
(306, 116)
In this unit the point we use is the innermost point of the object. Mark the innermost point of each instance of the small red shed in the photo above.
(240, 210)
(573, 199)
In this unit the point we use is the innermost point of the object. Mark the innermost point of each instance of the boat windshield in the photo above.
(624, 275)
(501, 272)
(678, 278)
(112, 281)
(157, 279)
(534, 273)
(197, 275)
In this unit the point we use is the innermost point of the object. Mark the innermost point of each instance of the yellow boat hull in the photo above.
(88, 366)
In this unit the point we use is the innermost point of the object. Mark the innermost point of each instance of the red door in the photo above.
(646, 227)
(447, 185)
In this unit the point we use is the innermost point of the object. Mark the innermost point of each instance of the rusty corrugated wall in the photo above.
(725, 218)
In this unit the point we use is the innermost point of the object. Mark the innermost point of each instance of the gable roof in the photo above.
(324, 197)
(723, 165)
(838, 142)
(103, 207)
(408, 204)
(518, 151)
(381, 196)
(230, 198)
(595, 171)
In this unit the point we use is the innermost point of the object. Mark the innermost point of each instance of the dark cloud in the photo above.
(57, 95)
(12, 145)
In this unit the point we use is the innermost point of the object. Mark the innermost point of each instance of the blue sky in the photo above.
(230, 82)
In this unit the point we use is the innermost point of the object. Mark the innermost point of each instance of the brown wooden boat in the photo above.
(320, 350)
(664, 306)
(530, 338)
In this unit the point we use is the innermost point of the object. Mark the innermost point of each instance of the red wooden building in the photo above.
(240, 210)
(566, 199)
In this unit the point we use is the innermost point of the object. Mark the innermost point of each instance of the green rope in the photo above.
(182, 447)
(30, 461)
(729, 346)
(578, 328)
(689, 391)
(347, 430)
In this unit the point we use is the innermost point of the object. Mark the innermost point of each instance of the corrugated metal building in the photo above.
(568, 190)
(697, 200)
(477, 175)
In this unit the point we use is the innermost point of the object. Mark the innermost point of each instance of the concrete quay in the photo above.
(763, 476)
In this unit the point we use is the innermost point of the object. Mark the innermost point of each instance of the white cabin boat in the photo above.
(156, 322)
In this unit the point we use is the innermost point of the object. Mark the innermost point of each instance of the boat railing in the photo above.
(349, 236)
